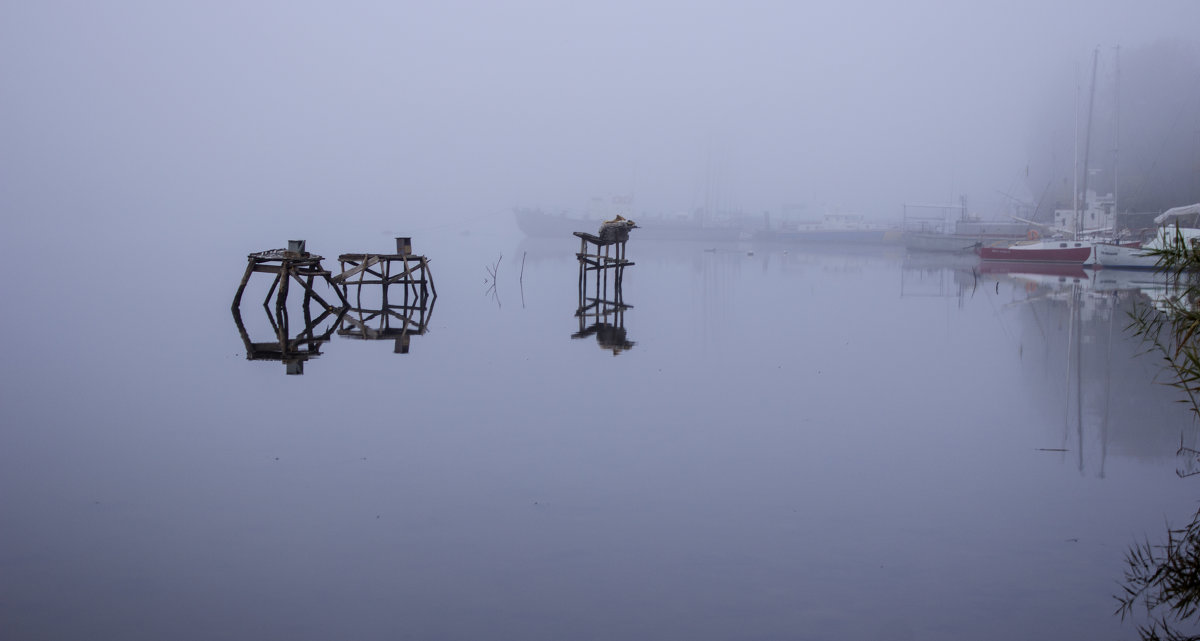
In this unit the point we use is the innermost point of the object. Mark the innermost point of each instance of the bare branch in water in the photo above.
(492, 271)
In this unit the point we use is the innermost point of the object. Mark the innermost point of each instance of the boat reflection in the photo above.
(939, 275)
(1056, 270)
(1084, 365)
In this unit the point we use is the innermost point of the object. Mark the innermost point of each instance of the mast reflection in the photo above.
(1084, 366)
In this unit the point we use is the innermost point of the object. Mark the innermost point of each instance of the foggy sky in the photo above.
(383, 113)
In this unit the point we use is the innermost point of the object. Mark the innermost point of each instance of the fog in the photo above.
(782, 436)
(374, 114)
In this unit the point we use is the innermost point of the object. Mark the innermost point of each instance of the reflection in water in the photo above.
(389, 321)
(607, 322)
(711, 489)
(291, 351)
(1083, 367)
(1079, 363)
(939, 276)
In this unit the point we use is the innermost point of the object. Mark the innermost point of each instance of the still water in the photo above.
(785, 444)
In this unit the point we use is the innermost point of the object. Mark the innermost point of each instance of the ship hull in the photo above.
(1073, 252)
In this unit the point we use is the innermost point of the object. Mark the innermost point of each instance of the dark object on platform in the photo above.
(616, 230)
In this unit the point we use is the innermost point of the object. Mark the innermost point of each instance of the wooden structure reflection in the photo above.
(292, 351)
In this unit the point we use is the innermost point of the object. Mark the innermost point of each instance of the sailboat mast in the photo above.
(1075, 169)
(1087, 138)
(1116, 123)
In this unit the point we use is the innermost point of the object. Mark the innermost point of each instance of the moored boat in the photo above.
(1171, 233)
(1045, 250)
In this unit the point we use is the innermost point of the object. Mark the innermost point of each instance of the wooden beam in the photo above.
(370, 260)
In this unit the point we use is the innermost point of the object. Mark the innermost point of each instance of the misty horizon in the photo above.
(378, 113)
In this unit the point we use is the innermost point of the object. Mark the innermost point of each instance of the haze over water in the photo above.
(844, 443)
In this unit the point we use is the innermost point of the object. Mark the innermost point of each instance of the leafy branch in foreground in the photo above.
(1172, 327)
(1165, 578)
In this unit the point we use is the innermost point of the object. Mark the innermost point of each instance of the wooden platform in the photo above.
(300, 266)
(410, 271)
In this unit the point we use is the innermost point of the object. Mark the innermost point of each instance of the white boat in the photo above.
(1171, 233)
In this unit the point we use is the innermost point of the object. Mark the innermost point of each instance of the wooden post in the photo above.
(237, 298)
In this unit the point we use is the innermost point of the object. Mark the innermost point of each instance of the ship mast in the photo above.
(1116, 125)
(1087, 141)
(1075, 167)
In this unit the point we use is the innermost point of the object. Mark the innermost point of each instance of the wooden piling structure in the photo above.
(605, 256)
(400, 321)
(401, 268)
(293, 263)
(605, 310)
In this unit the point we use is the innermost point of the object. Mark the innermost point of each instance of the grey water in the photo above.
(788, 442)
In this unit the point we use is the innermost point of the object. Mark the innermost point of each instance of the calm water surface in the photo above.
(797, 444)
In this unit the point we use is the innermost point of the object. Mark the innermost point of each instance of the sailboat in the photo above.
(1075, 252)
(1059, 249)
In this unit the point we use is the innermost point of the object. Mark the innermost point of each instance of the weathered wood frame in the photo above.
(286, 266)
(411, 273)
(603, 311)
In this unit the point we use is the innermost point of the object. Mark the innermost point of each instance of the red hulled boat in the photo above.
(1077, 252)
